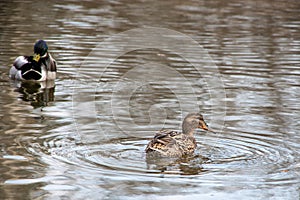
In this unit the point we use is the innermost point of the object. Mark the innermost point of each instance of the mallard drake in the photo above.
(39, 67)
(169, 143)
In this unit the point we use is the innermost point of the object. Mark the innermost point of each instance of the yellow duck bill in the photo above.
(36, 57)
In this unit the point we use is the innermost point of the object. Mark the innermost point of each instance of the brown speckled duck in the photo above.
(169, 143)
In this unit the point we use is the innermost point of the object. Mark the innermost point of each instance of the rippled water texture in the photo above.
(127, 69)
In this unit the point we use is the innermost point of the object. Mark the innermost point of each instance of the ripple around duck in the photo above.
(215, 154)
(233, 158)
(248, 150)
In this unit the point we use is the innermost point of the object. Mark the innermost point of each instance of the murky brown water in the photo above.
(84, 138)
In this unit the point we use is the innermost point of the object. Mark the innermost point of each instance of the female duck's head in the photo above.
(193, 121)
(40, 50)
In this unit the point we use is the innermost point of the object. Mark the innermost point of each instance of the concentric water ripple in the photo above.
(47, 154)
(218, 153)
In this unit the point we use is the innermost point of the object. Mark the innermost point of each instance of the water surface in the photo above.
(83, 137)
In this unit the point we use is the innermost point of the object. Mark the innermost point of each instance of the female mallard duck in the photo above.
(168, 143)
(39, 67)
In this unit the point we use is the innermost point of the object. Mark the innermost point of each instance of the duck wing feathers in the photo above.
(165, 140)
(50, 63)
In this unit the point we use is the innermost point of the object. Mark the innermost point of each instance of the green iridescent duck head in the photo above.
(40, 50)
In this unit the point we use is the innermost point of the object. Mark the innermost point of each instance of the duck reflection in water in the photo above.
(186, 165)
(39, 94)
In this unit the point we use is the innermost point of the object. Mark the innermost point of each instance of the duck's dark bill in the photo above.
(32, 75)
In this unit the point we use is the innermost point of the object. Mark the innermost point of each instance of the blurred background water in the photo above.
(83, 136)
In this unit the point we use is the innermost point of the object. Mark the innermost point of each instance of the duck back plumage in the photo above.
(169, 143)
(25, 68)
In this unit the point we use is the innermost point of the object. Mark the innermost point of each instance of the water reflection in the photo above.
(188, 165)
(256, 48)
(39, 94)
